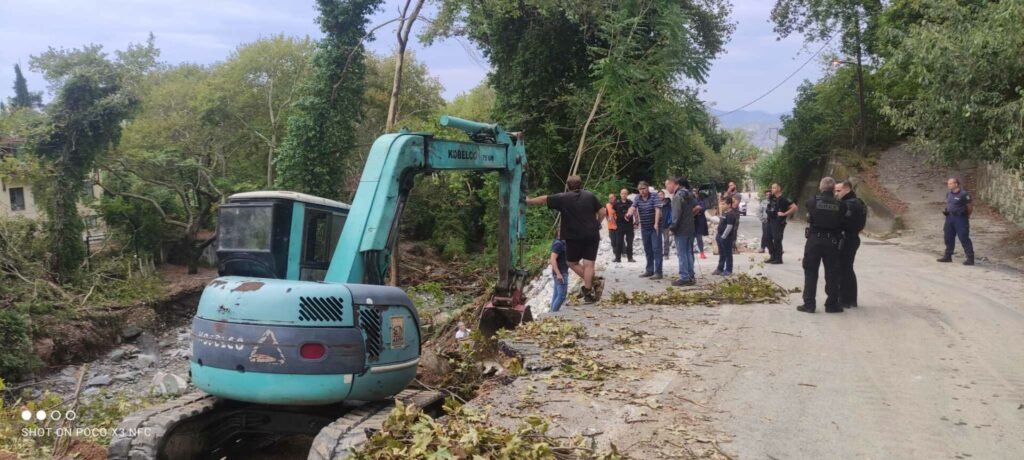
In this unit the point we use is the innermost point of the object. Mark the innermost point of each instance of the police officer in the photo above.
(958, 214)
(825, 219)
(855, 219)
(779, 209)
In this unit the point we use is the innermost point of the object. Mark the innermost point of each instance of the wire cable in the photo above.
(798, 69)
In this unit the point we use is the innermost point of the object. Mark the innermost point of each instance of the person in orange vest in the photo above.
(612, 227)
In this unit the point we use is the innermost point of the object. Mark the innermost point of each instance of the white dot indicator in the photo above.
(26, 415)
(41, 415)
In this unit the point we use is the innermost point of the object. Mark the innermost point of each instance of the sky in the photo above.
(206, 31)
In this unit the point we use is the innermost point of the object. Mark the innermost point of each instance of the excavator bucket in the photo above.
(504, 313)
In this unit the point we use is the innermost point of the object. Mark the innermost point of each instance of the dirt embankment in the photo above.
(918, 189)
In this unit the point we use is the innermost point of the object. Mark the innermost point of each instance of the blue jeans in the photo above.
(561, 289)
(724, 254)
(685, 257)
(958, 226)
(652, 249)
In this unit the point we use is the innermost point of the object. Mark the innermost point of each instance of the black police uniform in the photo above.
(855, 219)
(776, 227)
(825, 218)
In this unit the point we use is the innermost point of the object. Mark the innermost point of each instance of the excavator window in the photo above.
(245, 228)
(322, 230)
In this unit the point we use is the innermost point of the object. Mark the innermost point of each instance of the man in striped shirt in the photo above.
(647, 210)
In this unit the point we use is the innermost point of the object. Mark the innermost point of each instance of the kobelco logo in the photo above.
(461, 155)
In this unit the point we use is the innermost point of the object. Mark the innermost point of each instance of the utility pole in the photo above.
(861, 123)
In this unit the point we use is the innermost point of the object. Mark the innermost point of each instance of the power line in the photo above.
(798, 69)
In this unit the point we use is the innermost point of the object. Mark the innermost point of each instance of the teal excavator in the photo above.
(298, 336)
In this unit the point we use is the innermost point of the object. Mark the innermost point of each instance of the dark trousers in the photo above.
(822, 251)
(847, 277)
(776, 228)
(958, 227)
(725, 254)
(613, 235)
(766, 237)
(652, 250)
(624, 237)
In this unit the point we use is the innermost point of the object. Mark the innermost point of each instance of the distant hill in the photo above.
(762, 126)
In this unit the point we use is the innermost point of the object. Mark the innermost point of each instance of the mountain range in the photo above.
(761, 126)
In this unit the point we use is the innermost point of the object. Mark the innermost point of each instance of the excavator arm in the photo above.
(395, 159)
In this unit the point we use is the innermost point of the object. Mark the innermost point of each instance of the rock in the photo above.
(145, 360)
(44, 349)
(130, 331)
(434, 364)
(167, 384)
(492, 368)
(126, 377)
(442, 319)
(90, 391)
(116, 354)
(99, 381)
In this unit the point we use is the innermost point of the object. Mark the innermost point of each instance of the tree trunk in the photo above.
(862, 122)
(404, 28)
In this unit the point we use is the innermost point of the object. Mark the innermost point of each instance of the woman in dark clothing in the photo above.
(702, 224)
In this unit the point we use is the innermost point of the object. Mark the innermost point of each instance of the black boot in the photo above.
(945, 258)
(806, 308)
(969, 261)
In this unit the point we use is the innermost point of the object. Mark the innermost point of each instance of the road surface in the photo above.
(931, 365)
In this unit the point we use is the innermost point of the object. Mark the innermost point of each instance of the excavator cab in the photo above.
(278, 235)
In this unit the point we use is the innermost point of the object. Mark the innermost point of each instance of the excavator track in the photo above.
(140, 435)
(337, 440)
(202, 426)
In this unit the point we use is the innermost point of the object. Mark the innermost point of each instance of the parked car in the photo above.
(743, 208)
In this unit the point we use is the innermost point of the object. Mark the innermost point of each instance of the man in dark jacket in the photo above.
(624, 225)
(683, 227)
(856, 218)
(825, 222)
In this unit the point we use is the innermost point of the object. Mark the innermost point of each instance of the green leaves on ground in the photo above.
(561, 340)
(408, 433)
(738, 289)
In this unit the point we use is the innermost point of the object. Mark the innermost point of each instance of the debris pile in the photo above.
(408, 433)
(738, 289)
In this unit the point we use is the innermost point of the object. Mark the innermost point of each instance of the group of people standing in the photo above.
(675, 215)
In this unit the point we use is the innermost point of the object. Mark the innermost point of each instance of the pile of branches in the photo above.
(738, 289)
(409, 433)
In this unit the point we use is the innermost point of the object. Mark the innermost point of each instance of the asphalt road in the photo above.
(930, 366)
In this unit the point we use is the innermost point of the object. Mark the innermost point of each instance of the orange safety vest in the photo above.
(611, 216)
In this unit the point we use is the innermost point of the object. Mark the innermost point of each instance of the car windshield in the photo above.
(244, 228)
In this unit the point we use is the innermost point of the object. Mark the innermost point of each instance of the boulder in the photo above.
(130, 331)
(99, 381)
(168, 384)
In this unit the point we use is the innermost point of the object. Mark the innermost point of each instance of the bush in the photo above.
(15, 336)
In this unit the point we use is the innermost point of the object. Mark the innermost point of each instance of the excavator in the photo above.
(299, 336)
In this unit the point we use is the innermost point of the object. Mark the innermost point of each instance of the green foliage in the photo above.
(820, 20)
(552, 60)
(93, 97)
(250, 96)
(322, 132)
(739, 289)
(408, 433)
(957, 77)
(23, 99)
(15, 335)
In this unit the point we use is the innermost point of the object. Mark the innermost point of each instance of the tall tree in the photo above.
(957, 77)
(169, 158)
(821, 20)
(22, 97)
(323, 130)
(407, 19)
(622, 65)
(256, 90)
(94, 95)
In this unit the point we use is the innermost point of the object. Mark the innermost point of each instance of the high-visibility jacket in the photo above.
(611, 216)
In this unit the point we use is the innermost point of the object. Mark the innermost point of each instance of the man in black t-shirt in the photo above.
(581, 215)
(779, 209)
